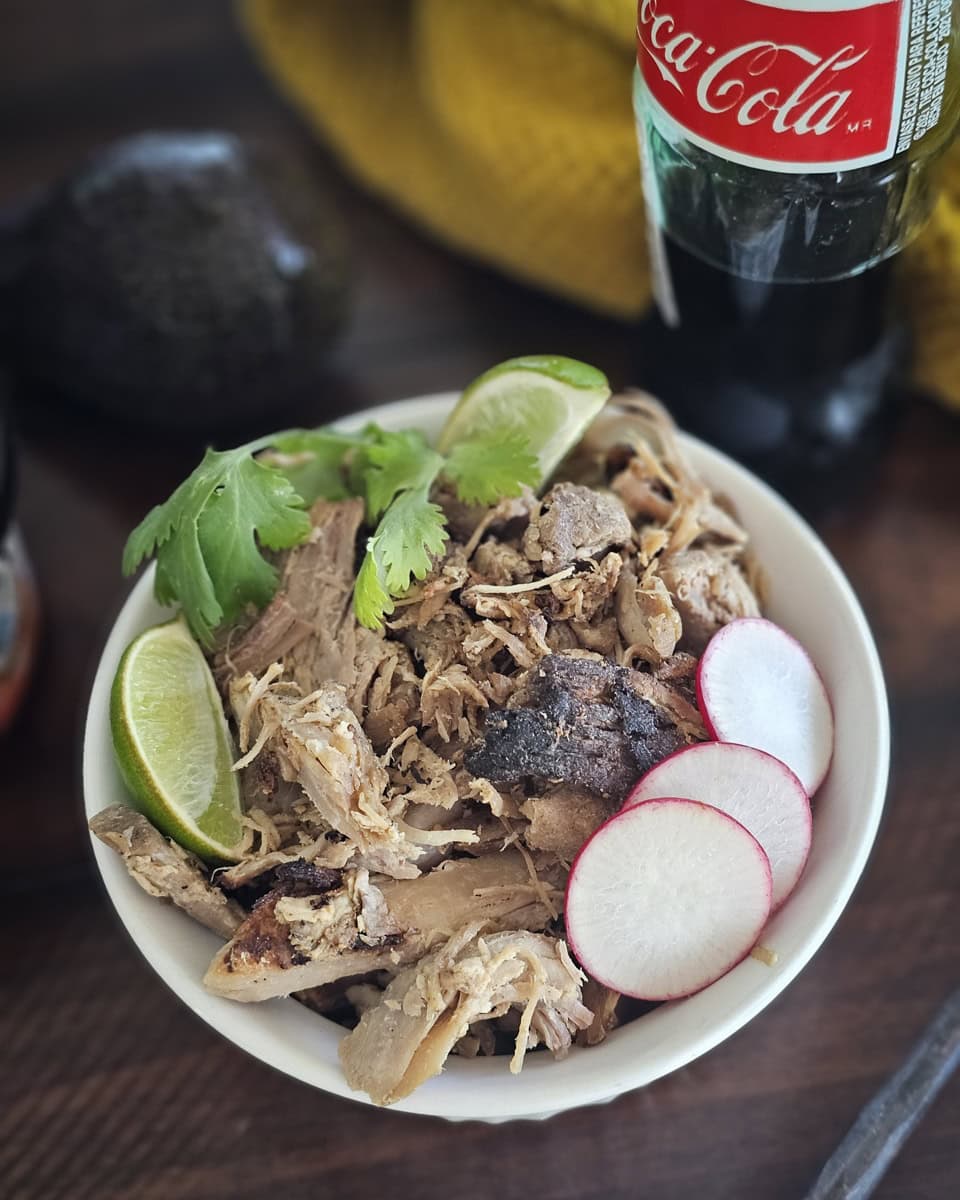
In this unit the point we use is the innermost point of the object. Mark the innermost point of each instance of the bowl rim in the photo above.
(519, 1102)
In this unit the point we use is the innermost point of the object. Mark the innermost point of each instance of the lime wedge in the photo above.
(172, 742)
(549, 399)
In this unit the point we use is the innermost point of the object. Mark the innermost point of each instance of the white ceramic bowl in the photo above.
(810, 596)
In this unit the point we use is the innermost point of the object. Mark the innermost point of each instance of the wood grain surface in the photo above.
(108, 1086)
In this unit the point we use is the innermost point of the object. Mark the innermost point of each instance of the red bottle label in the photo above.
(795, 85)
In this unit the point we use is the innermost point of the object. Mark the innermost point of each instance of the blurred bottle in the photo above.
(788, 150)
(18, 597)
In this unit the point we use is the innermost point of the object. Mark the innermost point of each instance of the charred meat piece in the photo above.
(581, 721)
(575, 523)
(164, 869)
(299, 878)
(291, 943)
(280, 874)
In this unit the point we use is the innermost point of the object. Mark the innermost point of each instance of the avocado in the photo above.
(175, 279)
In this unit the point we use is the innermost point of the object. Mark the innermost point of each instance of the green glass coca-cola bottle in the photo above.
(789, 151)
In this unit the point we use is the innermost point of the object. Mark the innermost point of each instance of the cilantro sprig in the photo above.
(208, 538)
(486, 468)
(411, 531)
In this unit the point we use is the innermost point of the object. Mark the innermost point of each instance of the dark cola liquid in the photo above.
(796, 380)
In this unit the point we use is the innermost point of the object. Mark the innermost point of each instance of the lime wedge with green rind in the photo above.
(548, 399)
(172, 742)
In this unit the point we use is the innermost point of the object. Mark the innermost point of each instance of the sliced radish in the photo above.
(758, 686)
(752, 787)
(666, 897)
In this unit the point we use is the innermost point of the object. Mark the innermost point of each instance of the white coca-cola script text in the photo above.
(793, 88)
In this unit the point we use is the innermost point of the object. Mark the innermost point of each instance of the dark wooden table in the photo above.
(108, 1087)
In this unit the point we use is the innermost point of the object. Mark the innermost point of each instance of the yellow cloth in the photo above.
(506, 128)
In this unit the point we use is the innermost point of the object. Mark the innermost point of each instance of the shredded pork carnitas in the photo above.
(413, 798)
(429, 1007)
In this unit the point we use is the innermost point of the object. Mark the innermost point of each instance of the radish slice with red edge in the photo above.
(666, 897)
(752, 787)
(757, 686)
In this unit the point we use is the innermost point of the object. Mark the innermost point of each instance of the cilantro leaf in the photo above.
(410, 533)
(314, 461)
(395, 472)
(490, 466)
(396, 462)
(371, 600)
(205, 538)
(258, 505)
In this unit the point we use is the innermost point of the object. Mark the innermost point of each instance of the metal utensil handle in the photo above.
(859, 1162)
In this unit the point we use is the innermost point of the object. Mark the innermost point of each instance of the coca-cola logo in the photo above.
(746, 78)
(749, 74)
